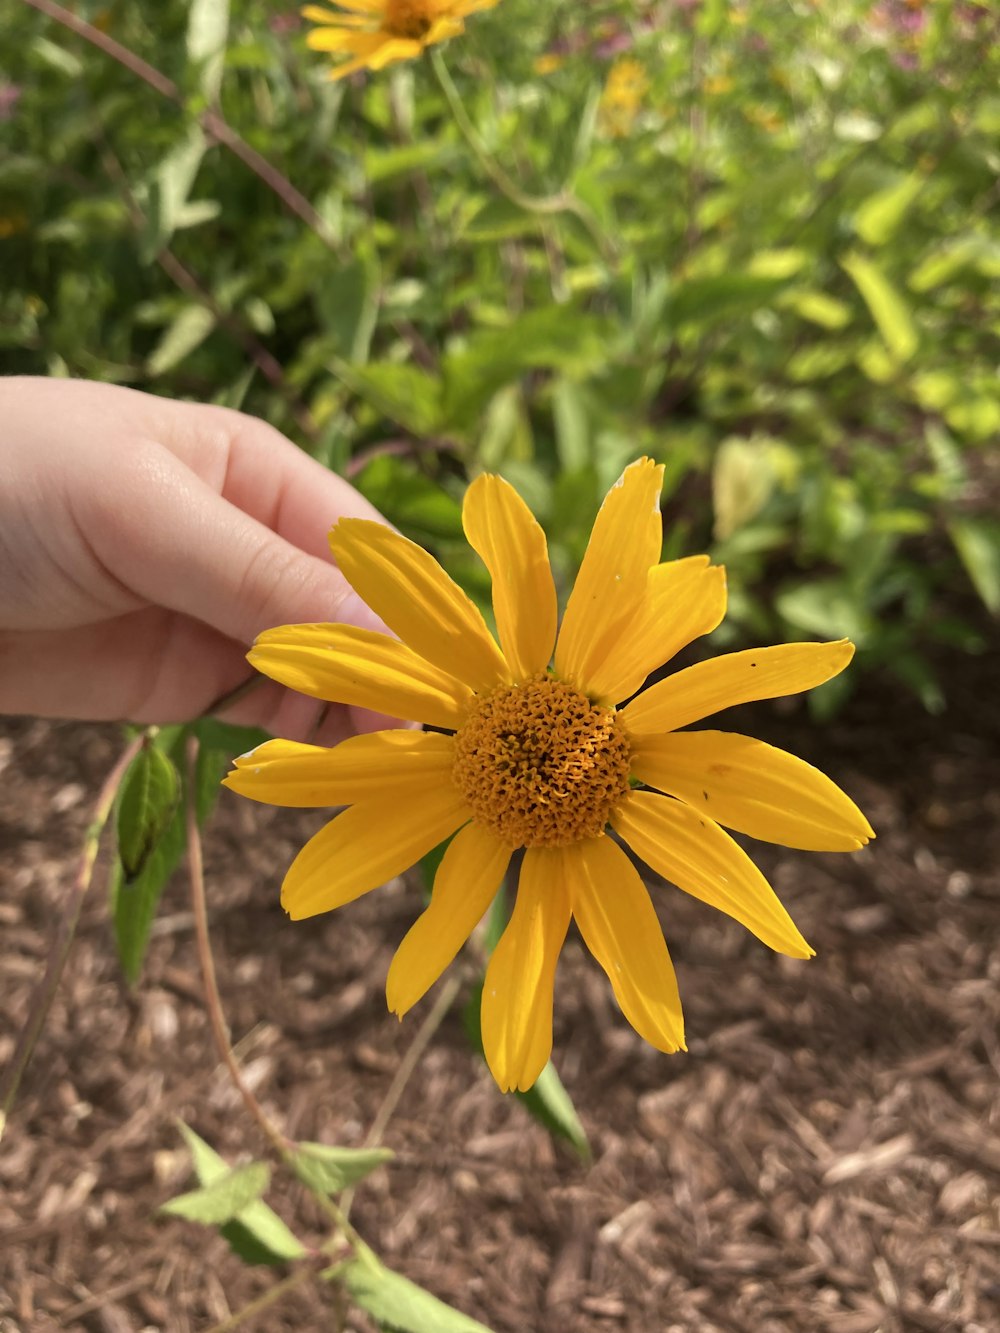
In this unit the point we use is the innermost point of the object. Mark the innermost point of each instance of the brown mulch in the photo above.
(826, 1157)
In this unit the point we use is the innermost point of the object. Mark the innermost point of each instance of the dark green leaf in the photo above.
(150, 794)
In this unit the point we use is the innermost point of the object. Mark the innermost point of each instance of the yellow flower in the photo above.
(622, 97)
(524, 754)
(373, 33)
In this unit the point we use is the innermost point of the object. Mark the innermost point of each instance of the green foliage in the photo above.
(784, 249)
(151, 823)
(231, 1200)
(328, 1170)
(396, 1302)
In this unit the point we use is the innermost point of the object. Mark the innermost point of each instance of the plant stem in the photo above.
(211, 122)
(213, 1002)
(41, 1001)
(540, 205)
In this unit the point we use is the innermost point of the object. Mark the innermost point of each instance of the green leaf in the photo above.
(347, 301)
(257, 1234)
(820, 308)
(707, 300)
(187, 330)
(134, 906)
(879, 217)
(403, 393)
(171, 184)
(207, 31)
(396, 1302)
(742, 482)
(328, 1170)
(977, 541)
(224, 1198)
(150, 793)
(498, 220)
(409, 499)
(887, 307)
(557, 337)
(825, 608)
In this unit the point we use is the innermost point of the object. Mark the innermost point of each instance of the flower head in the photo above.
(374, 33)
(529, 750)
(624, 92)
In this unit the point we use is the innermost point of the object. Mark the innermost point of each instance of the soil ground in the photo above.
(826, 1157)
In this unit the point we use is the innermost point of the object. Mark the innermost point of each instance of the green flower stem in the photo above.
(539, 205)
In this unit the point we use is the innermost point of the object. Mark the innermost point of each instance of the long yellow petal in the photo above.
(408, 589)
(505, 535)
(611, 585)
(362, 667)
(368, 844)
(620, 928)
(685, 599)
(363, 768)
(517, 992)
(691, 851)
(464, 886)
(753, 788)
(736, 678)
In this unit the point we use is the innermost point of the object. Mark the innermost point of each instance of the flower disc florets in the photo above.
(540, 764)
(407, 18)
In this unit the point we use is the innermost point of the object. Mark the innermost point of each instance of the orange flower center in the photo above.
(408, 18)
(540, 764)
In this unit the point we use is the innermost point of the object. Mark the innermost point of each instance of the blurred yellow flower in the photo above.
(370, 34)
(622, 97)
(524, 754)
(548, 62)
(718, 83)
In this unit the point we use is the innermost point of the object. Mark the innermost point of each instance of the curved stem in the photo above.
(540, 205)
(41, 1001)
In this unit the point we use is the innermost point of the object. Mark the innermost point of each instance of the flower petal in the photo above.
(464, 886)
(348, 665)
(361, 769)
(753, 788)
(691, 851)
(408, 589)
(503, 532)
(620, 928)
(626, 541)
(368, 844)
(736, 678)
(685, 599)
(517, 992)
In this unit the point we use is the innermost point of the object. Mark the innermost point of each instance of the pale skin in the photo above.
(143, 545)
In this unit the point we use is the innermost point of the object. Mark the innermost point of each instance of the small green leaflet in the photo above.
(150, 794)
(256, 1233)
(226, 1197)
(328, 1170)
(395, 1301)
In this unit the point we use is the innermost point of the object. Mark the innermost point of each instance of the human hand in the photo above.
(143, 545)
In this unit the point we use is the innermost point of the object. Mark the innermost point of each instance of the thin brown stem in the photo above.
(211, 122)
(265, 1301)
(213, 1001)
(45, 992)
